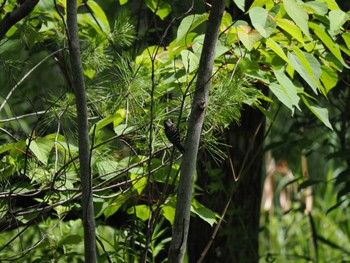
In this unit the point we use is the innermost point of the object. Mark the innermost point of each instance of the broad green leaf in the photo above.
(277, 49)
(248, 36)
(298, 14)
(285, 91)
(337, 18)
(329, 78)
(123, 129)
(141, 211)
(260, 3)
(169, 213)
(332, 4)
(106, 168)
(327, 41)
(117, 118)
(41, 147)
(240, 4)
(114, 206)
(203, 212)
(262, 21)
(189, 23)
(99, 206)
(346, 37)
(70, 240)
(289, 26)
(320, 113)
(307, 66)
(189, 60)
(123, 2)
(138, 182)
(6, 147)
(159, 7)
(100, 15)
(316, 7)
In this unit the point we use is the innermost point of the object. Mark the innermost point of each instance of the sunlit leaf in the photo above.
(169, 213)
(307, 66)
(262, 21)
(298, 14)
(289, 27)
(248, 36)
(159, 7)
(277, 49)
(320, 113)
(41, 147)
(141, 211)
(100, 15)
(189, 23)
(327, 41)
(285, 91)
(337, 18)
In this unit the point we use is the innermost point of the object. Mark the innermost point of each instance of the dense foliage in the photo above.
(140, 62)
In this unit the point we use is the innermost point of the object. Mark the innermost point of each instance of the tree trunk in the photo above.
(199, 104)
(237, 239)
(83, 133)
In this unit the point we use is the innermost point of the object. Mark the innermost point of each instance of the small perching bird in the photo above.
(173, 135)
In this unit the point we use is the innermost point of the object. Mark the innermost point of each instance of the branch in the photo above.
(16, 15)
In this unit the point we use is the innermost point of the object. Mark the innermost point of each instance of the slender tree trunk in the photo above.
(84, 151)
(200, 100)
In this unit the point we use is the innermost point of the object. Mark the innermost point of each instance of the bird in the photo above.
(173, 134)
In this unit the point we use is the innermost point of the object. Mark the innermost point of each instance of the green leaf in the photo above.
(298, 14)
(141, 211)
(307, 66)
(286, 92)
(248, 36)
(320, 113)
(138, 182)
(114, 206)
(70, 240)
(100, 15)
(308, 183)
(289, 26)
(259, 3)
(123, 129)
(106, 168)
(240, 4)
(41, 148)
(189, 23)
(262, 21)
(332, 4)
(159, 7)
(327, 41)
(117, 118)
(346, 37)
(337, 18)
(169, 213)
(277, 49)
(316, 7)
(329, 78)
(190, 60)
(203, 212)
(123, 2)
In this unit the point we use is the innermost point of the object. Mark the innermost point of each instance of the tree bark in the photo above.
(83, 135)
(237, 239)
(199, 104)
